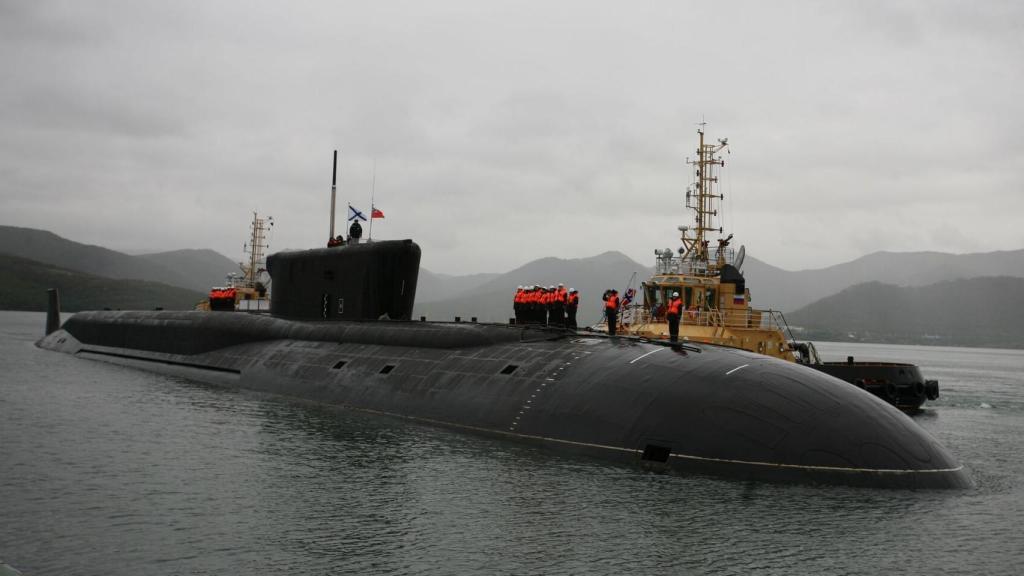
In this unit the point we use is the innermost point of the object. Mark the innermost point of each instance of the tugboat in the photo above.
(715, 300)
(247, 291)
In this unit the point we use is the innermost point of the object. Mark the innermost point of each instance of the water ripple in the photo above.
(108, 470)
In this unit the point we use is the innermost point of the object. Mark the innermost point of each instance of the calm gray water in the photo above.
(110, 470)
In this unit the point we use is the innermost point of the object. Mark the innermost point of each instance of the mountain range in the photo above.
(984, 311)
(192, 269)
(490, 300)
(23, 285)
(829, 302)
(780, 289)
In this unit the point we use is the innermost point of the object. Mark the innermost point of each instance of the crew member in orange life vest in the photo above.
(674, 311)
(572, 302)
(611, 309)
(517, 305)
(558, 306)
(534, 307)
(549, 306)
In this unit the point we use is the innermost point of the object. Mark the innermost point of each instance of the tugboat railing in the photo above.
(782, 323)
(668, 264)
(748, 319)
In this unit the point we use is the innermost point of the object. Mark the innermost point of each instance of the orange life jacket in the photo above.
(573, 299)
(675, 307)
(612, 303)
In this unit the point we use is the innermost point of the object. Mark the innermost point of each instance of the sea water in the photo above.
(112, 470)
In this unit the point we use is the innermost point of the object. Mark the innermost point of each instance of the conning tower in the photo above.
(373, 281)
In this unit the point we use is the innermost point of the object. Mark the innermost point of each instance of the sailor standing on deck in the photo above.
(559, 308)
(672, 314)
(355, 232)
(531, 302)
(517, 305)
(549, 306)
(572, 302)
(611, 310)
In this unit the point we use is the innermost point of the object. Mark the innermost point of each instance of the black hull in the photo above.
(703, 409)
(901, 385)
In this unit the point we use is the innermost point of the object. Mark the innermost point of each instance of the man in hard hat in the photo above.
(672, 314)
(572, 302)
(611, 310)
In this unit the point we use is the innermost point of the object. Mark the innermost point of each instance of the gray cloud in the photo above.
(507, 131)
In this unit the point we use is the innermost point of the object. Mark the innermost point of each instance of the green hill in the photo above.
(985, 311)
(26, 281)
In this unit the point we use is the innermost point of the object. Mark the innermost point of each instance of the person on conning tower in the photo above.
(355, 232)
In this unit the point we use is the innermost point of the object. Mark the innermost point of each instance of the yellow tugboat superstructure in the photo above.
(707, 277)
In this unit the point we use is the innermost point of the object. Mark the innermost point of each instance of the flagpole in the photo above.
(373, 190)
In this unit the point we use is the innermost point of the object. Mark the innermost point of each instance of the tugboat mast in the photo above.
(702, 199)
(257, 244)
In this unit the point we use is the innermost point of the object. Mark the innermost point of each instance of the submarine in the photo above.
(340, 331)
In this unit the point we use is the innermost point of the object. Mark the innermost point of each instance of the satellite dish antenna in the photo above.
(738, 261)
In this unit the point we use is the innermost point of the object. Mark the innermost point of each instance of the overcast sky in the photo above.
(508, 131)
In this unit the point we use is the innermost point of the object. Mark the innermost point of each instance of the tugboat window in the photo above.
(339, 364)
(387, 369)
(509, 369)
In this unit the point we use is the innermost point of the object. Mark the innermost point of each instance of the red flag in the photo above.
(374, 213)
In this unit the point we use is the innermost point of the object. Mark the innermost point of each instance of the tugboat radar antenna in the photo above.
(702, 198)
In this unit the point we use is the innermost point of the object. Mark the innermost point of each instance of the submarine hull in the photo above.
(706, 409)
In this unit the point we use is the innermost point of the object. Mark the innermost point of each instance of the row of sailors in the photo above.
(551, 306)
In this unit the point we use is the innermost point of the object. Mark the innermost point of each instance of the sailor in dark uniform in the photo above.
(571, 304)
(355, 232)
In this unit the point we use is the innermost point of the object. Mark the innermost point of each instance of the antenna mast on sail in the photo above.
(334, 182)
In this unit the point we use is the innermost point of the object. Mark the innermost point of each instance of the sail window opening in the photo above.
(509, 369)
(387, 369)
(655, 453)
(339, 365)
